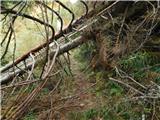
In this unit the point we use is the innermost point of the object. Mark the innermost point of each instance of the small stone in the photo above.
(82, 104)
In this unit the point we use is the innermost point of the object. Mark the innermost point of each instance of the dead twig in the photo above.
(127, 85)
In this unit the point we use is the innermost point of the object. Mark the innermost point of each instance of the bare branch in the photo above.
(5, 10)
(60, 18)
(73, 16)
(86, 6)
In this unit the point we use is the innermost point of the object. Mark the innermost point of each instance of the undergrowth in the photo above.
(115, 103)
(84, 54)
(141, 65)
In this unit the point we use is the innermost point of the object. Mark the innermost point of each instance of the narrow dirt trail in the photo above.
(81, 97)
(82, 84)
(85, 99)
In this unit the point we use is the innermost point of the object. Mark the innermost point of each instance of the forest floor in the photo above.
(83, 96)
(75, 96)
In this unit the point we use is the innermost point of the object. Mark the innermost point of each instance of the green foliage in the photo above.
(106, 113)
(139, 60)
(136, 62)
(8, 3)
(90, 114)
(157, 80)
(30, 116)
(84, 53)
(117, 106)
(115, 89)
(156, 69)
(86, 115)
(45, 91)
(105, 87)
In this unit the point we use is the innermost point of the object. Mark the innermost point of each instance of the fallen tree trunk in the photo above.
(115, 12)
(58, 35)
(64, 48)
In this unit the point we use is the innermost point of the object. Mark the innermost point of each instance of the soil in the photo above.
(80, 100)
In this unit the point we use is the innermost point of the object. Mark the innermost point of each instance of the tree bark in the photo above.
(8, 76)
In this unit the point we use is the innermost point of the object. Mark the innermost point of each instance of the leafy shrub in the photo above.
(136, 64)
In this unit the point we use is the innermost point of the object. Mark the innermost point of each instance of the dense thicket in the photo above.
(119, 54)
